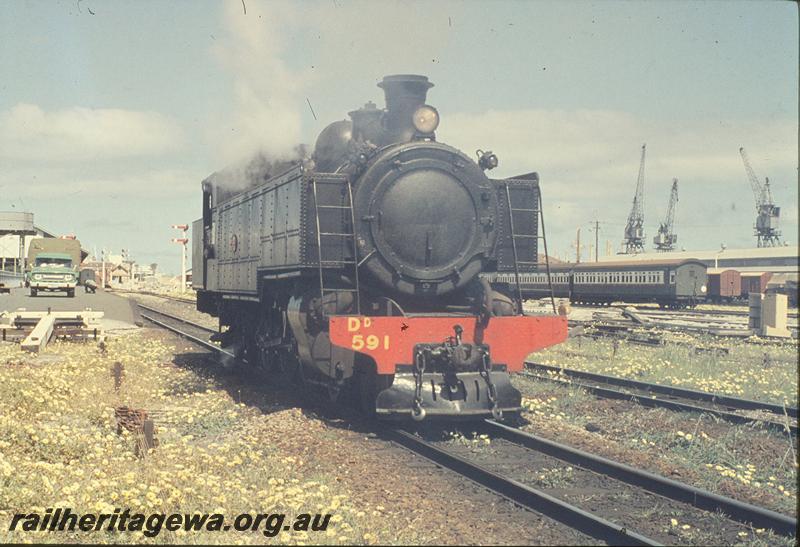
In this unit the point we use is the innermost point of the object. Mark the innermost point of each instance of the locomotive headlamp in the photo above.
(703, 289)
(426, 119)
(486, 160)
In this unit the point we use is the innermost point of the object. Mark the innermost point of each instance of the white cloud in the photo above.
(29, 133)
(606, 144)
(588, 161)
(46, 183)
(269, 112)
(266, 109)
(392, 37)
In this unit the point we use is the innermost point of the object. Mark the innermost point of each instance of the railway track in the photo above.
(696, 312)
(177, 325)
(620, 327)
(522, 493)
(512, 490)
(608, 496)
(662, 486)
(669, 397)
(642, 393)
(159, 295)
(703, 318)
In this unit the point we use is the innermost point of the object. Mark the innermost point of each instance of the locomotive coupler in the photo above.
(448, 359)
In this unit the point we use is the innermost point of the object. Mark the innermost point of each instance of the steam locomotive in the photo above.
(360, 269)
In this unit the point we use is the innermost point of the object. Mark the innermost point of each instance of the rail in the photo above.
(758, 517)
(652, 401)
(521, 494)
(199, 341)
(692, 394)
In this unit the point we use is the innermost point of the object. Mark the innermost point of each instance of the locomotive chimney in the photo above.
(404, 94)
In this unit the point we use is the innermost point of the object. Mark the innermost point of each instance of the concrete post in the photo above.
(774, 315)
(21, 260)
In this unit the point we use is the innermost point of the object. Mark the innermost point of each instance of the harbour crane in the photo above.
(666, 238)
(634, 229)
(767, 214)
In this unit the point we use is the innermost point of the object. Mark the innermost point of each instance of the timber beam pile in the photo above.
(36, 328)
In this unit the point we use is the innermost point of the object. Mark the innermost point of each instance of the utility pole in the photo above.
(182, 241)
(103, 268)
(124, 253)
(578, 247)
(597, 240)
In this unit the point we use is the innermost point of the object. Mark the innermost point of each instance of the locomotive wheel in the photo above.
(239, 347)
(336, 393)
(266, 358)
(295, 367)
(251, 350)
(281, 361)
(247, 349)
(366, 387)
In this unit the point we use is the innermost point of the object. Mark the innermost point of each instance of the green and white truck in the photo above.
(53, 265)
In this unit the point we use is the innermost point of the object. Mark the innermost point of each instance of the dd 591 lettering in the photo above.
(361, 341)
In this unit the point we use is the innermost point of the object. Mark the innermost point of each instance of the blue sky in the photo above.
(108, 121)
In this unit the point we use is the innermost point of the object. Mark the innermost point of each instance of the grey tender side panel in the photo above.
(257, 228)
(271, 228)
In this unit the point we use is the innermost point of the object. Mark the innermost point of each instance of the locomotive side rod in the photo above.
(521, 494)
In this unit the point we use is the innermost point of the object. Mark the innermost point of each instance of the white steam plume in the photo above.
(266, 115)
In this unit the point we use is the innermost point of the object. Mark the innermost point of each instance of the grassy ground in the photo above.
(228, 444)
(59, 448)
(685, 527)
(753, 465)
(765, 372)
(749, 464)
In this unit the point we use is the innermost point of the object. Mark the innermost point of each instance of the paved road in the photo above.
(116, 308)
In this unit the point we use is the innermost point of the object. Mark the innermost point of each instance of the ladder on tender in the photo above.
(516, 236)
(349, 264)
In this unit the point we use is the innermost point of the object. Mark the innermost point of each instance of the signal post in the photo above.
(183, 241)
